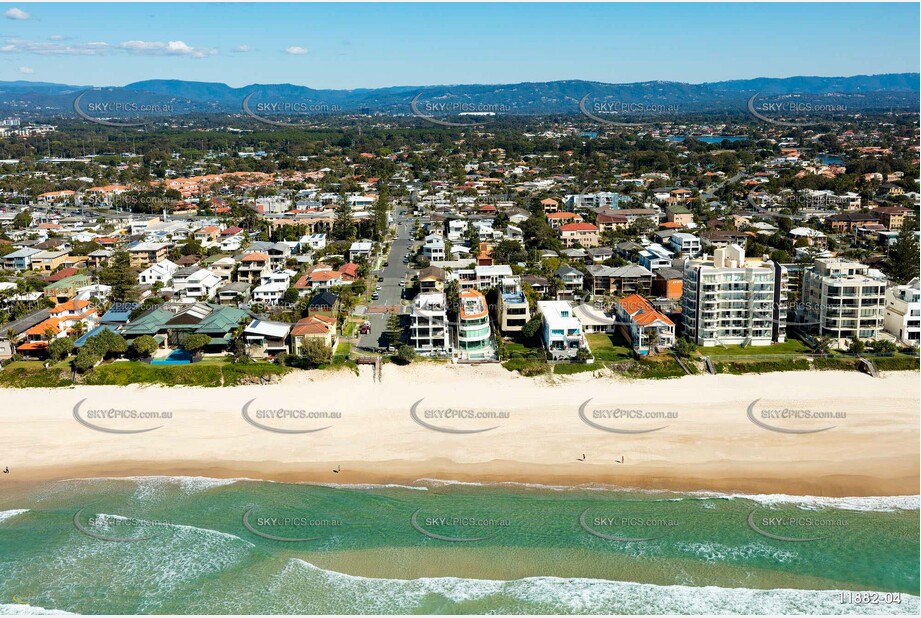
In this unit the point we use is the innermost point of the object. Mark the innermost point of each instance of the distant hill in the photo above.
(890, 91)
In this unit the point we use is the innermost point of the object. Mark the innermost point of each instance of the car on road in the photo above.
(377, 289)
(386, 264)
(375, 296)
(380, 279)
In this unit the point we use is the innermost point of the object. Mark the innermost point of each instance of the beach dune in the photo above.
(806, 433)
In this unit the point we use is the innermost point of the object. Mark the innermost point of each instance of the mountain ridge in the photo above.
(887, 90)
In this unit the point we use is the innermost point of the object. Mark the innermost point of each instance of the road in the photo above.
(390, 292)
(711, 194)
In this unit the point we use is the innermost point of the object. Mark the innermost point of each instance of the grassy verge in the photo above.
(765, 366)
(204, 374)
(896, 363)
(527, 367)
(22, 377)
(655, 369)
(565, 369)
(834, 364)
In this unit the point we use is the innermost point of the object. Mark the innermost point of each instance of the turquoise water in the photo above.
(177, 357)
(195, 545)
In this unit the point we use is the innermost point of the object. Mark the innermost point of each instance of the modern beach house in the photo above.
(514, 310)
(474, 336)
(428, 331)
(903, 312)
(562, 330)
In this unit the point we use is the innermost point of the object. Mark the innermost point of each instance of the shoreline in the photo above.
(709, 445)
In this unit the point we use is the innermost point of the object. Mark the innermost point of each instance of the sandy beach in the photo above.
(747, 434)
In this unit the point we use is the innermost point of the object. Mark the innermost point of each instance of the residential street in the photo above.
(390, 292)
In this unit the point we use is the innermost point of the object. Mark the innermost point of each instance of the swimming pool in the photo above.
(177, 357)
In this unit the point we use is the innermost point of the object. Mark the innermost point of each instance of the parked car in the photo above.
(375, 296)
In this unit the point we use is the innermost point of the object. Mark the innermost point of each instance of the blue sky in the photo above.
(374, 45)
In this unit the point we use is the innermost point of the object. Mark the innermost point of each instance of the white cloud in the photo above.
(17, 14)
(42, 48)
(242, 49)
(296, 51)
(171, 48)
(26, 70)
(56, 37)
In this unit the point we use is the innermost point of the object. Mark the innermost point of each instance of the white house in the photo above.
(360, 249)
(903, 312)
(562, 330)
(161, 272)
(434, 247)
(198, 286)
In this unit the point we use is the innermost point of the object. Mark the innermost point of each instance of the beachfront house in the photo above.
(561, 330)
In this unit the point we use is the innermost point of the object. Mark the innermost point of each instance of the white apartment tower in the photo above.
(844, 299)
(728, 299)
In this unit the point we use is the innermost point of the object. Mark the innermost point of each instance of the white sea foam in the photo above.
(856, 503)
(865, 503)
(572, 595)
(4, 515)
(24, 609)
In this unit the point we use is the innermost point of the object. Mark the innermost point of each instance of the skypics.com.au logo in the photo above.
(272, 416)
(625, 419)
(448, 110)
(796, 110)
(118, 109)
(289, 113)
(456, 419)
(615, 112)
(117, 419)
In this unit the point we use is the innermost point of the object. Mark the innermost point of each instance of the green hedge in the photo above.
(765, 366)
(896, 363)
(834, 364)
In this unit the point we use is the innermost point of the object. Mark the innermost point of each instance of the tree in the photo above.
(85, 360)
(532, 327)
(291, 296)
(194, 343)
(192, 247)
(883, 346)
(902, 263)
(394, 328)
(107, 343)
(144, 346)
(120, 276)
(509, 252)
(406, 354)
(315, 353)
(60, 348)
(855, 346)
(22, 219)
(344, 224)
(684, 347)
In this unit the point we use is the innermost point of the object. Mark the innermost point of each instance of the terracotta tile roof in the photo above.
(579, 227)
(641, 311)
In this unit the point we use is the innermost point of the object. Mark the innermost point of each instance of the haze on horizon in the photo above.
(352, 46)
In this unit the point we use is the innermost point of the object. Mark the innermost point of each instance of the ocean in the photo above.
(212, 546)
